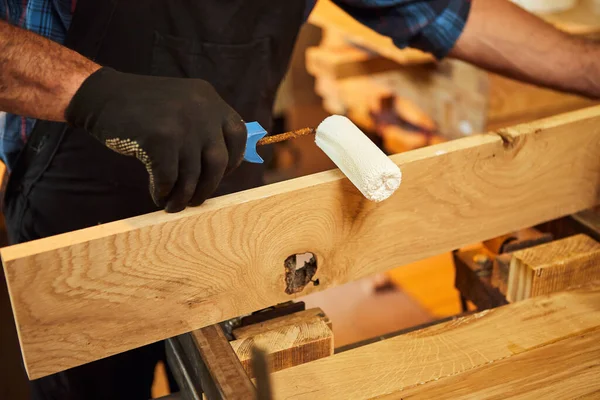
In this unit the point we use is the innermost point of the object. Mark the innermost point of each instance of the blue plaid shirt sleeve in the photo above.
(433, 26)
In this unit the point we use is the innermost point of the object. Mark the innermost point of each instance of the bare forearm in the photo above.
(501, 37)
(38, 77)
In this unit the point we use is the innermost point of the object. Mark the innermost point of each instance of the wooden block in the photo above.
(89, 294)
(506, 244)
(444, 350)
(567, 369)
(288, 346)
(553, 266)
(230, 379)
(281, 322)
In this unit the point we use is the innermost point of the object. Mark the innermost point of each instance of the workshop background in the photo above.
(403, 100)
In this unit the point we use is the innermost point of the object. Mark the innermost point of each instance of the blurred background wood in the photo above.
(357, 71)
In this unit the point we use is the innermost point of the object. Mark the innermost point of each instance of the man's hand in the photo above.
(501, 37)
(181, 129)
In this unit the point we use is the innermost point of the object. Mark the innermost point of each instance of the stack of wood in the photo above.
(409, 105)
(411, 100)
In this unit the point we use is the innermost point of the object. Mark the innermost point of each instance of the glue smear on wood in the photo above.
(367, 167)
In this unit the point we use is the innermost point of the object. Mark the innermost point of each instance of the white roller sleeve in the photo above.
(367, 167)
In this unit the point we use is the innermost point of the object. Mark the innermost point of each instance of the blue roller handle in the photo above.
(255, 133)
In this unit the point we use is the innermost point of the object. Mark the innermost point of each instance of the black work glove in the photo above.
(181, 129)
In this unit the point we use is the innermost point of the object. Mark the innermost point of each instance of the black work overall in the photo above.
(65, 180)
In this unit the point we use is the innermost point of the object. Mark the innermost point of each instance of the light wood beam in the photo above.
(89, 294)
(450, 349)
(567, 369)
(552, 267)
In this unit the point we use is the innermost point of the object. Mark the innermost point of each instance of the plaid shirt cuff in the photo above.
(440, 35)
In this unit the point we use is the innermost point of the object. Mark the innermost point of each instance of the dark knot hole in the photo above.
(296, 278)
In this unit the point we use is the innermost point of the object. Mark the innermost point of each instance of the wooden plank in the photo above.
(567, 369)
(570, 262)
(287, 346)
(225, 368)
(553, 267)
(443, 350)
(88, 294)
(281, 322)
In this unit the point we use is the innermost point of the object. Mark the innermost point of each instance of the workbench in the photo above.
(477, 354)
(545, 347)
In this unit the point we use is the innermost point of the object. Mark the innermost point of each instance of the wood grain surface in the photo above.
(85, 295)
(287, 346)
(567, 369)
(553, 267)
(444, 350)
(281, 322)
(225, 368)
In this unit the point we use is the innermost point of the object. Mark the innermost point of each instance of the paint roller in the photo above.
(365, 165)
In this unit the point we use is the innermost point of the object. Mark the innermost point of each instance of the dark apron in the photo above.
(65, 180)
